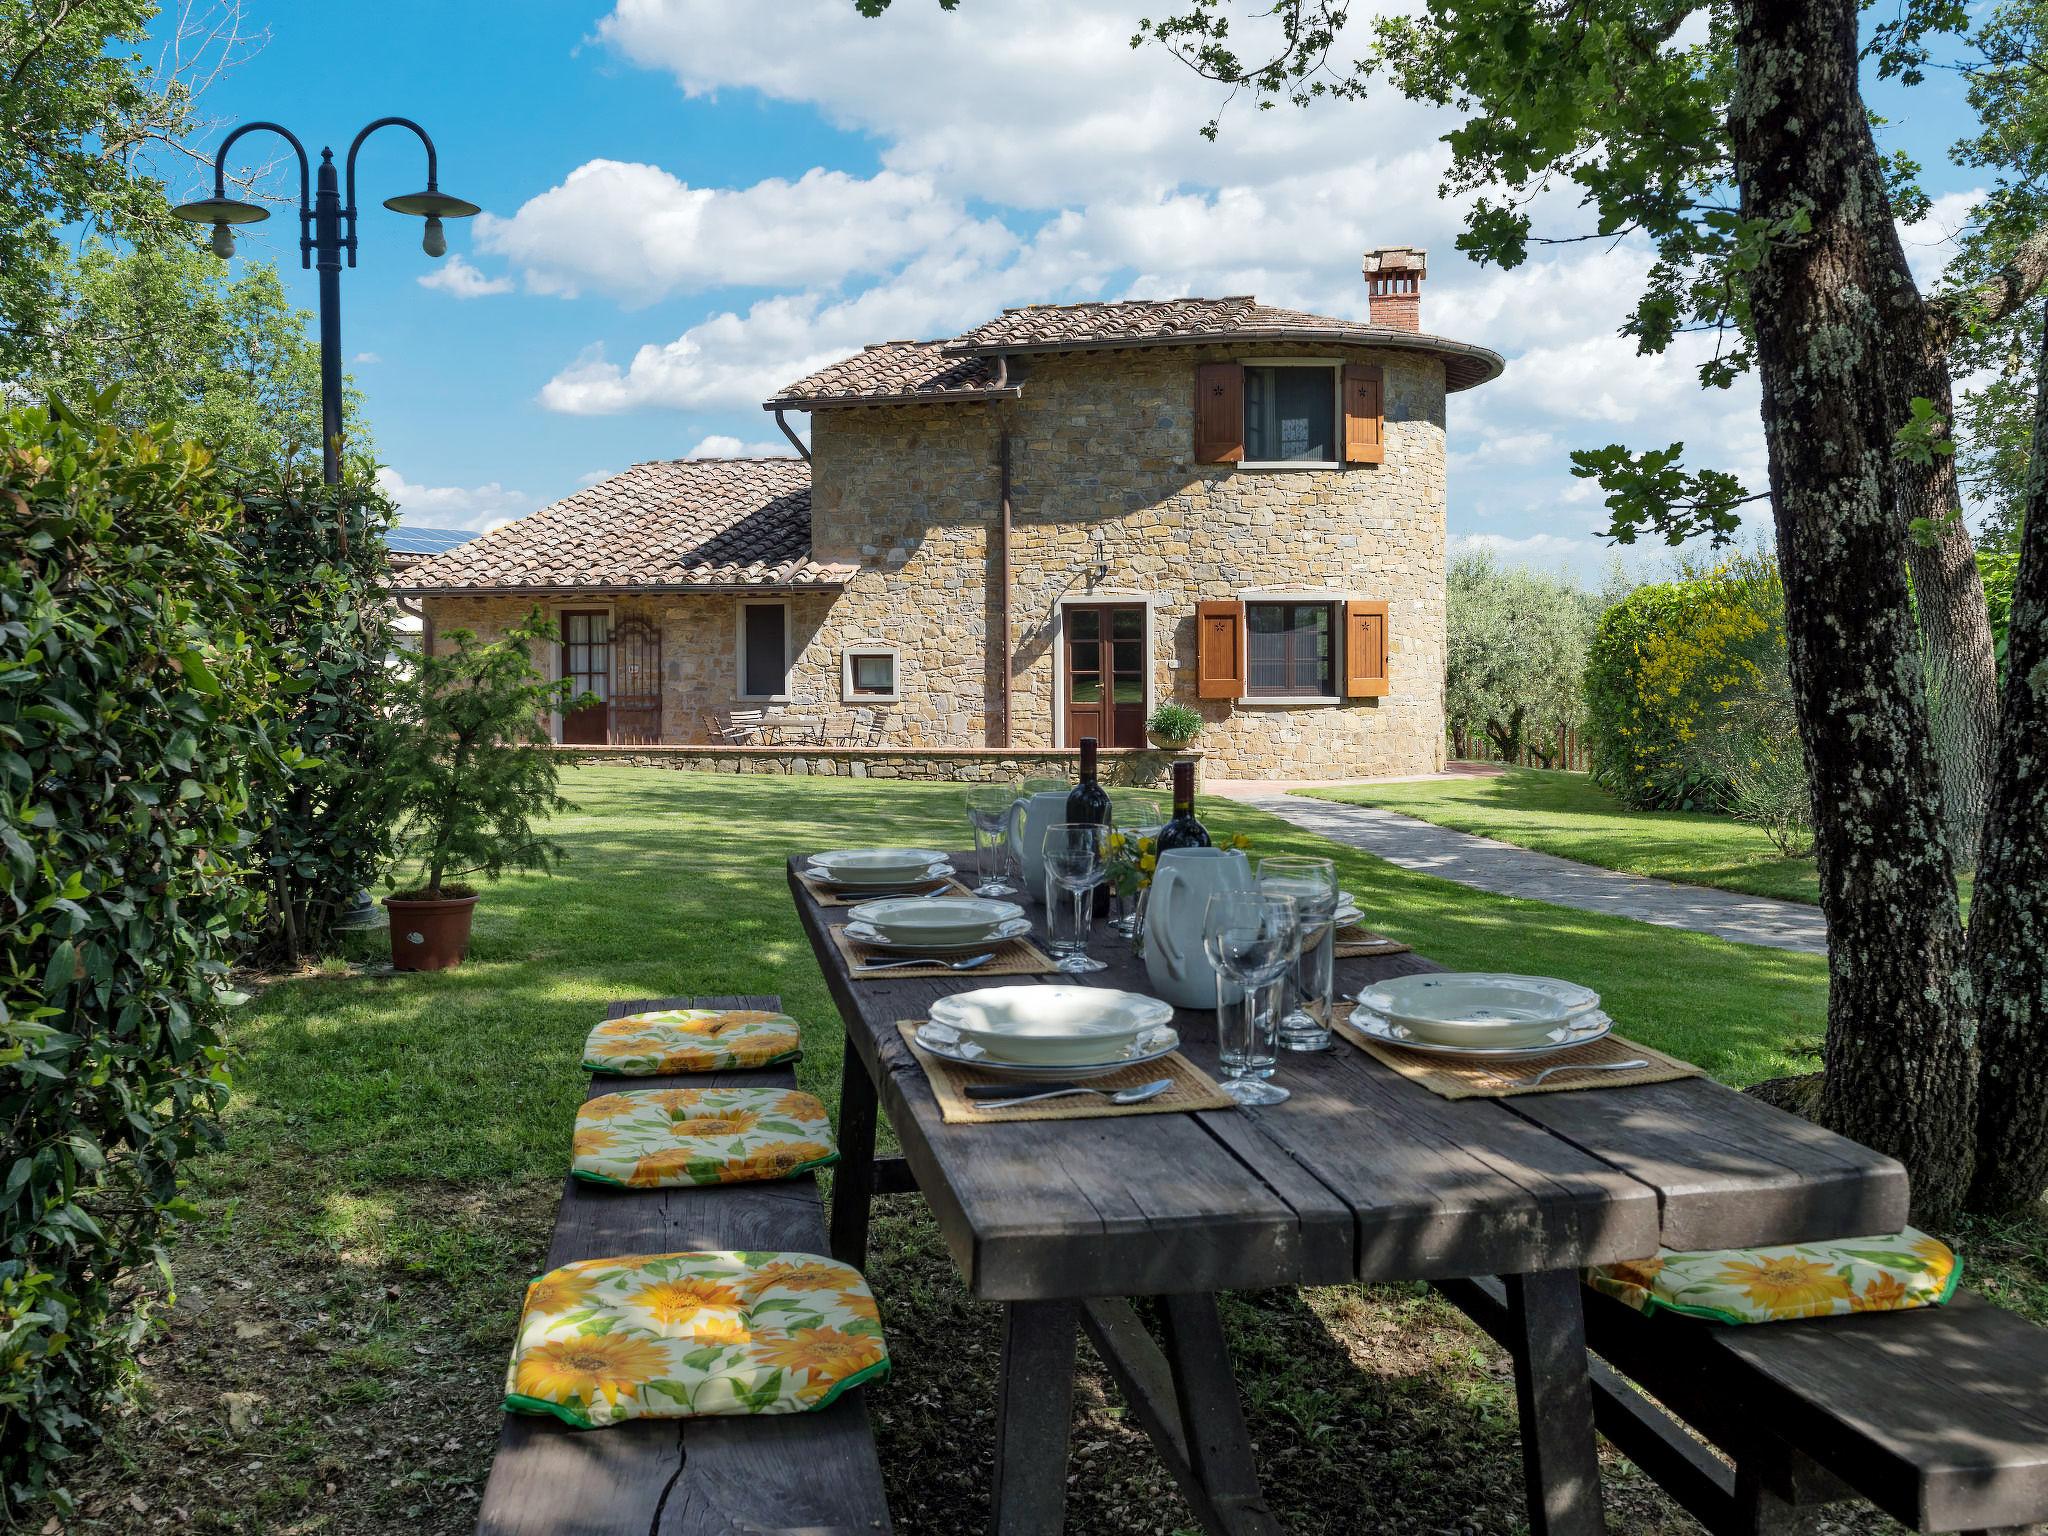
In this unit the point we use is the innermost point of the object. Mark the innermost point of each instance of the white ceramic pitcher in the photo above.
(1175, 907)
(1030, 817)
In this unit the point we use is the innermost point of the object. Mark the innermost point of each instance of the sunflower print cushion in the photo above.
(690, 1335)
(691, 1040)
(655, 1138)
(1893, 1273)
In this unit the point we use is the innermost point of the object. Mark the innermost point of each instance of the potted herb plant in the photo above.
(467, 748)
(1173, 726)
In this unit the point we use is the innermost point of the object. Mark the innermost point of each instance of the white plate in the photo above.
(929, 875)
(875, 866)
(1586, 1027)
(927, 919)
(1482, 1006)
(1344, 917)
(945, 1042)
(874, 938)
(1050, 1024)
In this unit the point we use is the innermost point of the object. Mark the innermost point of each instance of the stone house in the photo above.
(1036, 531)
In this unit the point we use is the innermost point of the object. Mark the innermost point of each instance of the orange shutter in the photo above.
(1219, 413)
(1365, 431)
(1365, 650)
(1219, 650)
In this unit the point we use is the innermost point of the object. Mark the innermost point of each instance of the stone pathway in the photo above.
(1506, 870)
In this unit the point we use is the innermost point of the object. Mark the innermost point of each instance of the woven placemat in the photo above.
(1192, 1089)
(1356, 942)
(1496, 1079)
(1014, 957)
(827, 897)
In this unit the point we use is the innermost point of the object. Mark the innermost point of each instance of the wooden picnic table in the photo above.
(1360, 1175)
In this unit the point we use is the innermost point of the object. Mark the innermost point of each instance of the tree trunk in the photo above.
(1955, 622)
(2009, 917)
(1900, 1061)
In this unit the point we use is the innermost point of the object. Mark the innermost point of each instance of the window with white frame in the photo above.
(868, 673)
(764, 650)
(1290, 414)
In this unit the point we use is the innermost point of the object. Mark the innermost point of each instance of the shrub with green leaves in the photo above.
(315, 557)
(1175, 722)
(470, 759)
(129, 698)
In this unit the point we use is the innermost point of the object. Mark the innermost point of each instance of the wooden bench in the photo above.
(1938, 1417)
(814, 1473)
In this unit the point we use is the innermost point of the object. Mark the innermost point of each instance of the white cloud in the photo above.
(366, 357)
(482, 507)
(456, 276)
(638, 233)
(1931, 242)
(721, 446)
(595, 476)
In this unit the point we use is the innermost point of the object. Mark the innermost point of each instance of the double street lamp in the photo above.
(327, 229)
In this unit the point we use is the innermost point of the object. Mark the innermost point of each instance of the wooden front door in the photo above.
(587, 664)
(1106, 685)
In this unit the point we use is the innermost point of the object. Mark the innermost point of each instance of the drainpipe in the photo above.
(999, 730)
(794, 441)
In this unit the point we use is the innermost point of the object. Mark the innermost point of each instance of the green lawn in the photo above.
(396, 1145)
(1569, 815)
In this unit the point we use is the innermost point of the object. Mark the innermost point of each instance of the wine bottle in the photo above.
(1088, 801)
(1183, 831)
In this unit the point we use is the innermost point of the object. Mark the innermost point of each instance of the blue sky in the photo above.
(693, 201)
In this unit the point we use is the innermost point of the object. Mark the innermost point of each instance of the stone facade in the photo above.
(944, 765)
(1107, 505)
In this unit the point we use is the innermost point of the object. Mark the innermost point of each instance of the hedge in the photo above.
(129, 718)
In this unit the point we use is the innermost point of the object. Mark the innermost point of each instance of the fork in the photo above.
(952, 965)
(1568, 1066)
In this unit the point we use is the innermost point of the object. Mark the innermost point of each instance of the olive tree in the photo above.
(1515, 657)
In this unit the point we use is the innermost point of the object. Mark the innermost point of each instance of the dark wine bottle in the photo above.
(1183, 831)
(1088, 801)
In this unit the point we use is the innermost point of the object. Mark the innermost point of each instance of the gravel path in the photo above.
(1506, 870)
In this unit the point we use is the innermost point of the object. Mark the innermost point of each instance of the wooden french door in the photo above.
(1106, 684)
(587, 664)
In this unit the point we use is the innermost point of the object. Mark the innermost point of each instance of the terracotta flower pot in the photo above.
(430, 935)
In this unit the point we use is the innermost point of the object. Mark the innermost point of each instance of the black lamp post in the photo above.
(322, 218)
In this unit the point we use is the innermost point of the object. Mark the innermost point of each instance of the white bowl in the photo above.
(875, 866)
(1479, 1007)
(1051, 1024)
(917, 919)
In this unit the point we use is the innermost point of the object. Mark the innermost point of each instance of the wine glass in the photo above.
(1137, 814)
(1306, 989)
(1251, 938)
(1074, 866)
(988, 812)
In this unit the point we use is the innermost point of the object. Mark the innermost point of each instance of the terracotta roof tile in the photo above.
(894, 370)
(679, 523)
(1165, 322)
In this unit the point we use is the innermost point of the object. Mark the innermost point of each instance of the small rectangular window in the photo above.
(1292, 649)
(1290, 415)
(764, 651)
(869, 674)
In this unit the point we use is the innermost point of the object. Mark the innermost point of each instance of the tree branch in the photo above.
(1991, 301)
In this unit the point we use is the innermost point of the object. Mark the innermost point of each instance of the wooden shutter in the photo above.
(1365, 422)
(1219, 413)
(1365, 650)
(1219, 650)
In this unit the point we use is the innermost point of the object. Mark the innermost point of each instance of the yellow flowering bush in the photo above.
(1689, 699)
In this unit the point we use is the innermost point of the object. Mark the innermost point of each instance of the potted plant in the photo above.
(1173, 726)
(467, 748)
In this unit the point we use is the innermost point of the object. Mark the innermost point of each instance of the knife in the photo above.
(1017, 1090)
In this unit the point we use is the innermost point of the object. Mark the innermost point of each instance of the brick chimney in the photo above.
(1393, 285)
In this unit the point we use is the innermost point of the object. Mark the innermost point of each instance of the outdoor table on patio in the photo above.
(797, 728)
(1360, 1175)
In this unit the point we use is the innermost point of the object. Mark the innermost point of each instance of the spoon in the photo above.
(952, 965)
(1591, 1066)
(1025, 1093)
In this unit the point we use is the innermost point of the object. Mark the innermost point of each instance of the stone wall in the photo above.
(1107, 503)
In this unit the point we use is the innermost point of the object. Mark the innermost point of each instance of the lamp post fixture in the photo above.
(327, 228)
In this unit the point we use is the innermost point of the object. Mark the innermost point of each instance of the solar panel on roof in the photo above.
(426, 541)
